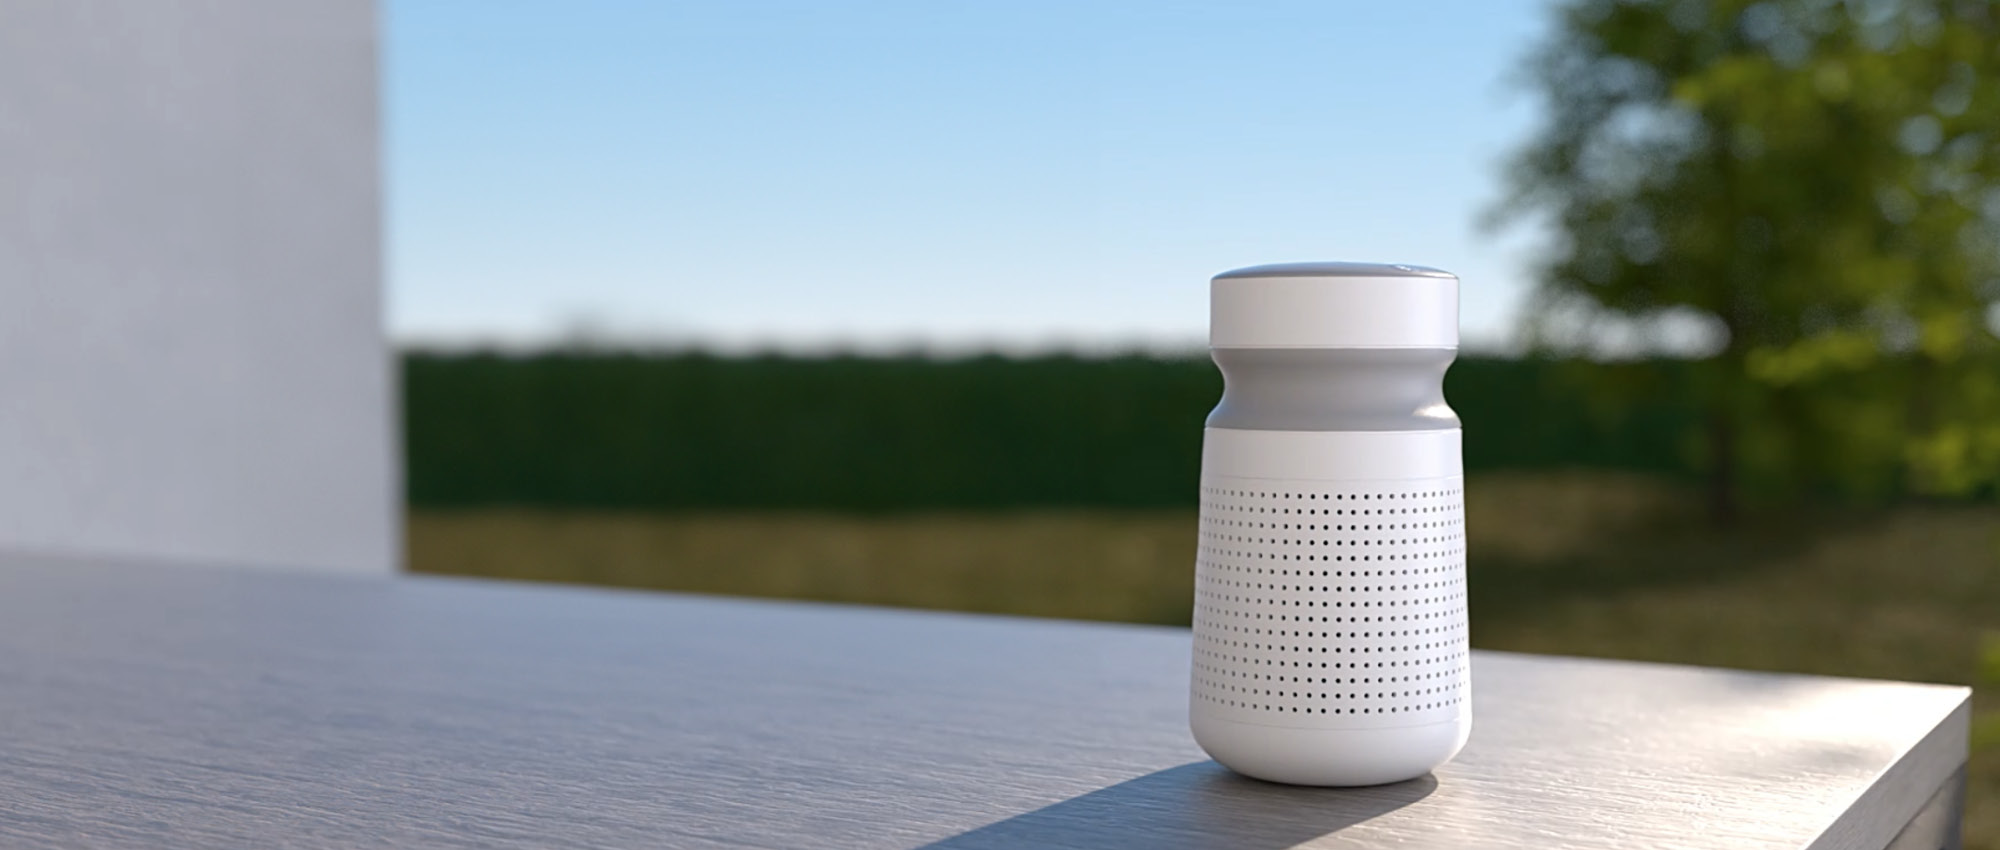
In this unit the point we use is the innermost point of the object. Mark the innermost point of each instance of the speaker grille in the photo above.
(1334, 605)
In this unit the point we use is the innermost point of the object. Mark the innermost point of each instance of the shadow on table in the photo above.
(1198, 805)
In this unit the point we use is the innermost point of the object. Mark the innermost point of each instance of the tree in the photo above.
(1816, 181)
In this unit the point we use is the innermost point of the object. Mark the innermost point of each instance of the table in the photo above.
(190, 707)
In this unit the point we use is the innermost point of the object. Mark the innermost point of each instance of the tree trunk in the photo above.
(1722, 505)
(1922, 415)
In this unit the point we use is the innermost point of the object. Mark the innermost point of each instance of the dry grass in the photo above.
(1099, 566)
(1586, 564)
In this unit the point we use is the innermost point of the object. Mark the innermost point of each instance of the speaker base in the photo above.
(1329, 757)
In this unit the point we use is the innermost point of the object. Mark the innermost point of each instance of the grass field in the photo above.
(1584, 564)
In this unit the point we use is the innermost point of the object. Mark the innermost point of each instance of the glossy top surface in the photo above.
(1334, 269)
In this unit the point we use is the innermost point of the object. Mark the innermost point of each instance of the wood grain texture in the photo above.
(150, 708)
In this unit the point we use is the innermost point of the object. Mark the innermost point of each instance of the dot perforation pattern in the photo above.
(1334, 605)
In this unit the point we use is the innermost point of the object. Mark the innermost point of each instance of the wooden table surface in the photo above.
(170, 707)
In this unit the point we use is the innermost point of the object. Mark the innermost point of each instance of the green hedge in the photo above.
(689, 431)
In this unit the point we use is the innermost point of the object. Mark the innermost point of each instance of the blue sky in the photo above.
(882, 175)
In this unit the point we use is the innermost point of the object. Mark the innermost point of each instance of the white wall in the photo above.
(192, 361)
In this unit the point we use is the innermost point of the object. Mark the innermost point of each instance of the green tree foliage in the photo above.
(1817, 181)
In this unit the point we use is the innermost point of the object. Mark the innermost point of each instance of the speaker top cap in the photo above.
(1333, 305)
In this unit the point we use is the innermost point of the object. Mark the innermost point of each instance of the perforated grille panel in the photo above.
(1334, 605)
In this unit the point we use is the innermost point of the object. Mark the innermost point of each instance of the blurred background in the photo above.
(903, 303)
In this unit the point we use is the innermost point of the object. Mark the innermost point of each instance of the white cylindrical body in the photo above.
(1330, 618)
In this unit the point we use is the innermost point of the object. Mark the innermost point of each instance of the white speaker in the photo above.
(1330, 616)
